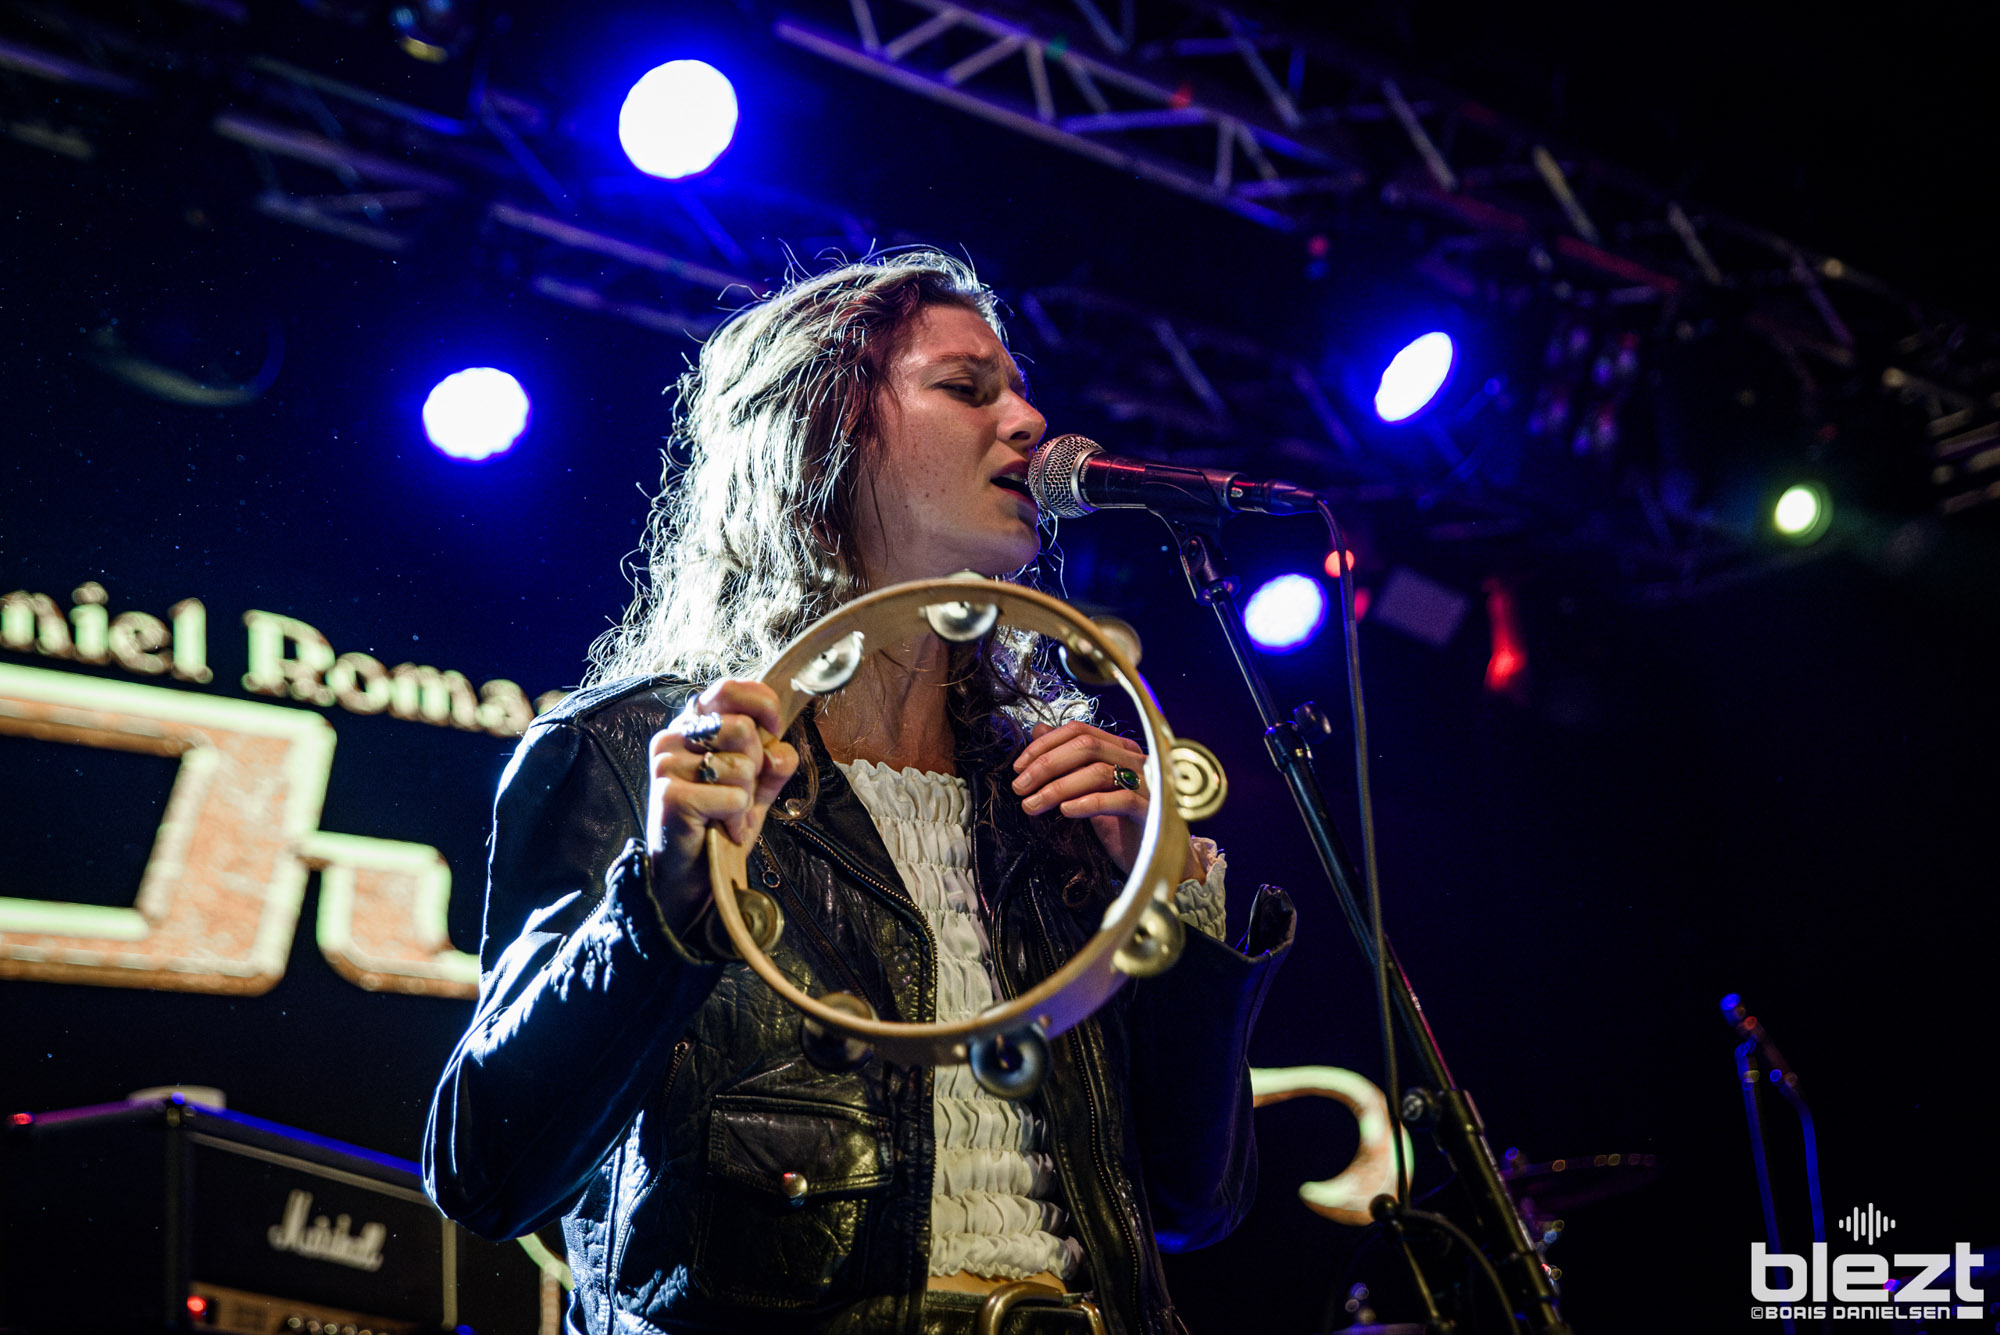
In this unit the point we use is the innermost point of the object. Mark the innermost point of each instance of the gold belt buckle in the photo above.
(1021, 1293)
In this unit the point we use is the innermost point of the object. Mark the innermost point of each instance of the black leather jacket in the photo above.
(619, 1076)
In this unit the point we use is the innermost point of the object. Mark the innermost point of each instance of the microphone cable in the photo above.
(1365, 792)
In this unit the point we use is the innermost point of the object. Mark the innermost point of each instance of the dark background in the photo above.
(1783, 788)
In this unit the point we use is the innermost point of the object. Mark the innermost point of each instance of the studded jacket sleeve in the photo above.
(583, 991)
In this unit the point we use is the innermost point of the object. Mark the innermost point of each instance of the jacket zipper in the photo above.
(1096, 1143)
(811, 925)
(619, 1235)
(674, 1067)
(861, 874)
(928, 1074)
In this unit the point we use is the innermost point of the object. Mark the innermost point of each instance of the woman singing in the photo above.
(944, 832)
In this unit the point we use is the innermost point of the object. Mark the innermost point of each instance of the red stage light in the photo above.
(197, 1305)
(1333, 563)
(1507, 668)
(22, 1119)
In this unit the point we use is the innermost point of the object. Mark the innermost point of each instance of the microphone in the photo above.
(1072, 475)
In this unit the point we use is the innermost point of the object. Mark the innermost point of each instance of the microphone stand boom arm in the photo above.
(1444, 1108)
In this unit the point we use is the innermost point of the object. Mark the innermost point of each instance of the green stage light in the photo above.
(1802, 513)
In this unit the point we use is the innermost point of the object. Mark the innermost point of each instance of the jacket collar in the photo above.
(838, 817)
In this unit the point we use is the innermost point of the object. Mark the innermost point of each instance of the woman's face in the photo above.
(945, 488)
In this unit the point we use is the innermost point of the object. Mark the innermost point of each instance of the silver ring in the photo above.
(701, 732)
(707, 772)
(1128, 779)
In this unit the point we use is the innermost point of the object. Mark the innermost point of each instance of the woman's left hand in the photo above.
(1075, 769)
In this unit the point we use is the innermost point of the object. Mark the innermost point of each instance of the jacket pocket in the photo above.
(785, 1198)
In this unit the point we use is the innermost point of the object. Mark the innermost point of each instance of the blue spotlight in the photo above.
(1413, 378)
(476, 413)
(678, 119)
(1285, 612)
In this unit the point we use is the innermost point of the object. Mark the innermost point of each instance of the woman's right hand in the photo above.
(751, 764)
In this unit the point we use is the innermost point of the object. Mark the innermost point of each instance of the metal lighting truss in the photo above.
(352, 163)
(374, 171)
(1292, 127)
(1284, 127)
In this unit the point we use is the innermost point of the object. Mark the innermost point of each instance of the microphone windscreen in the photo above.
(1055, 475)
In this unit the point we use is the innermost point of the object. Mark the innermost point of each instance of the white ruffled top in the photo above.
(992, 1211)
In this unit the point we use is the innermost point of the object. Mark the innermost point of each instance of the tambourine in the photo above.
(1007, 1045)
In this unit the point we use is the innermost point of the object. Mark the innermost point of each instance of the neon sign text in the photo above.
(288, 659)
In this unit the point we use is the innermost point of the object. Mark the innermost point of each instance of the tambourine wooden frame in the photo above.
(1070, 995)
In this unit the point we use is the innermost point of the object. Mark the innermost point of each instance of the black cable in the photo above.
(1365, 792)
(1486, 1266)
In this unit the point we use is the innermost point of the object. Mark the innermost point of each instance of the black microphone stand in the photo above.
(1441, 1105)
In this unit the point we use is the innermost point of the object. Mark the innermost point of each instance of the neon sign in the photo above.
(224, 882)
(135, 641)
(288, 659)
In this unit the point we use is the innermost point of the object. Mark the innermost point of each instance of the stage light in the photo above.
(432, 30)
(476, 413)
(1802, 513)
(1507, 665)
(678, 119)
(1285, 612)
(1413, 377)
(1333, 562)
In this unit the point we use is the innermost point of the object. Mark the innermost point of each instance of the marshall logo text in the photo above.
(324, 1241)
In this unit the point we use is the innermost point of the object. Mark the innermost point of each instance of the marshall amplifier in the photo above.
(161, 1214)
